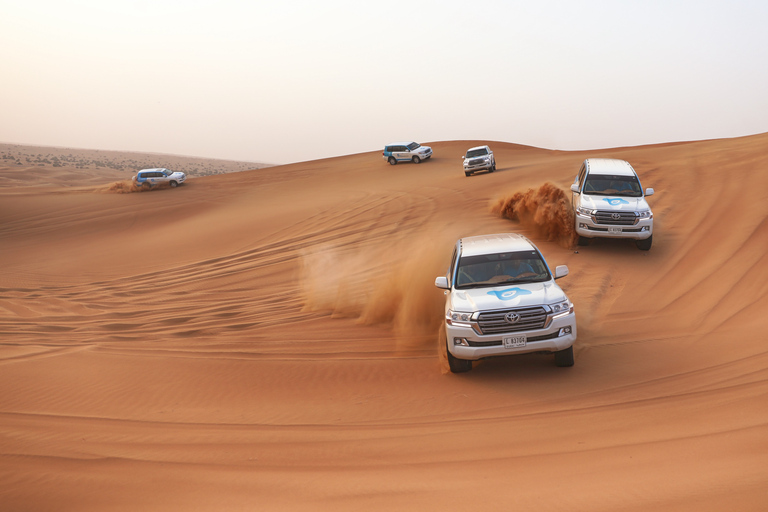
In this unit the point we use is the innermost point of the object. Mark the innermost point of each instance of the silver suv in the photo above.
(479, 158)
(406, 152)
(608, 201)
(502, 299)
(150, 178)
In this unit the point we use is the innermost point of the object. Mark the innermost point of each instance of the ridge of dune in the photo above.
(267, 339)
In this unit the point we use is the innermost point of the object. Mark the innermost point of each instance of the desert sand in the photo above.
(266, 340)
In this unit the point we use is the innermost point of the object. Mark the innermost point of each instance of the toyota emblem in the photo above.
(511, 317)
(615, 216)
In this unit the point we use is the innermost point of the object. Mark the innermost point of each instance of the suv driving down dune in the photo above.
(479, 158)
(502, 299)
(609, 202)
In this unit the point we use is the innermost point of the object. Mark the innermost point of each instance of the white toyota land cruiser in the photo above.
(406, 152)
(502, 299)
(608, 201)
(479, 158)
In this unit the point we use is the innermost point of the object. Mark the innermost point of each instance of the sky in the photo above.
(288, 81)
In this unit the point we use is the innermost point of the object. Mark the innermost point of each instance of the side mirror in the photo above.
(648, 192)
(575, 187)
(442, 282)
(561, 271)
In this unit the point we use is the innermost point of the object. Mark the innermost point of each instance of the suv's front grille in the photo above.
(494, 322)
(615, 218)
(476, 161)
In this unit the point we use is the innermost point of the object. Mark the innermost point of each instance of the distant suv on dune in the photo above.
(608, 201)
(502, 299)
(150, 178)
(406, 152)
(479, 158)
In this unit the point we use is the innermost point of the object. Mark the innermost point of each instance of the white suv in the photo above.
(502, 299)
(406, 152)
(479, 158)
(608, 201)
(150, 178)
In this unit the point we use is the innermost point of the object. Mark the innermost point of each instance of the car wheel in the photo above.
(416, 160)
(583, 241)
(174, 184)
(454, 364)
(392, 160)
(493, 167)
(564, 358)
(146, 186)
(644, 245)
(467, 173)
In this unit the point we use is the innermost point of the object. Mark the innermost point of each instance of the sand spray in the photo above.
(545, 210)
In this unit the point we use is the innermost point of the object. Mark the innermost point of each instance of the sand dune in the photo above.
(265, 340)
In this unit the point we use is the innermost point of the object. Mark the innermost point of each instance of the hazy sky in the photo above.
(285, 81)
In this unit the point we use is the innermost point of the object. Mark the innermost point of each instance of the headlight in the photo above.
(644, 214)
(584, 211)
(457, 317)
(561, 308)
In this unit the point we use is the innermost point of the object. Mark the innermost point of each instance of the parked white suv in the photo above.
(608, 201)
(502, 299)
(479, 158)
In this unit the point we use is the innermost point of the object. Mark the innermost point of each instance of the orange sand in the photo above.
(265, 340)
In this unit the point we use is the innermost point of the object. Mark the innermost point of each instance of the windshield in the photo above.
(499, 269)
(608, 185)
(413, 145)
(476, 152)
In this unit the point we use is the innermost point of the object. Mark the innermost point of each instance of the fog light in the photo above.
(460, 341)
(645, 228)
(565, 331)
(582, 225)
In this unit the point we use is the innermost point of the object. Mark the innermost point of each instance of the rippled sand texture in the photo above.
(265, 340)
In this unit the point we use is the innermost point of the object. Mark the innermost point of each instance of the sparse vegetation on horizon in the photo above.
(18, 155)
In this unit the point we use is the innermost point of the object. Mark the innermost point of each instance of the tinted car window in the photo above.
(497, 269)
(603, 184)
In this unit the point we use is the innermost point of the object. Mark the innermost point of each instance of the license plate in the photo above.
(514, 342)
(614, 230)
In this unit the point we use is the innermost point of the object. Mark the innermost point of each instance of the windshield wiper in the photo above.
(475, 285)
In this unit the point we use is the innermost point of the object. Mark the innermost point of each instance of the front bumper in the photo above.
(473, 346)
(473, 168)
(481, 166)
(587, 227)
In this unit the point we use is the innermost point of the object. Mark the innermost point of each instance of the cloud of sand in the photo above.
(392, 286)
(128, 187)
(545, 210)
